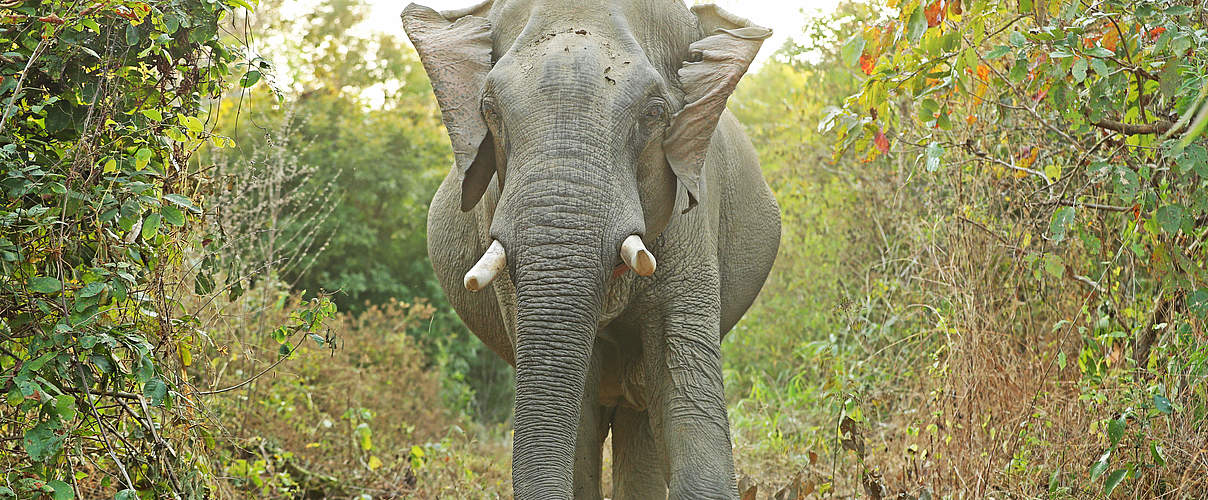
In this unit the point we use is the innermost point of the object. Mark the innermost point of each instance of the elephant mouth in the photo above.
(619, 271)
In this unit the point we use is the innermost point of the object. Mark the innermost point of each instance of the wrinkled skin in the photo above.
(574, 127)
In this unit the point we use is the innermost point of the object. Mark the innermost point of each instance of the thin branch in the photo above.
(985, 156)
(1158, 127)
(258, 375)
(21, 81)
(1095, 206)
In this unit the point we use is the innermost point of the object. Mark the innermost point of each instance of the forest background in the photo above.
(991, 280)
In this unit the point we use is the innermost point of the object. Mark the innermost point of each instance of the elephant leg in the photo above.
(638, 469)
(688, 405)
(589, 438)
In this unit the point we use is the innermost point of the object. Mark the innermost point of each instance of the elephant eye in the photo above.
(488, 111)
(655, 111)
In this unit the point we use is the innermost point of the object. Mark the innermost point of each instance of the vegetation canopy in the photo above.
(991, 281)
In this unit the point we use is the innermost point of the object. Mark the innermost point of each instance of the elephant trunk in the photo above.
(561, 262)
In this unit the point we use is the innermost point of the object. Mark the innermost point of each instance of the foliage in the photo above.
(1055, 231)
(357, 415)
(104, 106)
(365, 136)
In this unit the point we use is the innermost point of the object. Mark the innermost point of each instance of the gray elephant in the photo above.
(589, 138)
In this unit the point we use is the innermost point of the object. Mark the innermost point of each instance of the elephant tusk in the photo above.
(487, 267)
(635, 255)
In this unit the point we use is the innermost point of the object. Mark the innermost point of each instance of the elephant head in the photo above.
(592, 120)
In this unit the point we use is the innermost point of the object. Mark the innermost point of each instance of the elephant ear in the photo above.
(455, 49)
(715, 64)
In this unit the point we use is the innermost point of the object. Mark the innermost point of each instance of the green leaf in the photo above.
(151, 225)
(1197, 127)
(141, 158)
(1052, 172)
(1059, 225)
(1079, 70)
(1161, 404)
(155, 390)
(45, 284)
(192, 123)
(998, 52)
(365, 435)
(1054, 265)
(252, 76)
(240, 3)
(1178, 10)
(41, 442)
(182, 202)
(173, 215)
(91, 289)
(203, 284)
(126, 494)
(1100, 466)
(853, 49)
(281, 335)
(1115, 431)
(1155, 452)
(935, 153)
(1170, 217)
(1100, 67)
(132, 36)
(153, 114)
(63, 491)
(1019, 70)
(917, 25)
(1197, 302)
(1113, 480)
(65, 406)
(1017, 39)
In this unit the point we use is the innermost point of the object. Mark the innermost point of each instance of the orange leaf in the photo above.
(1027, 156)
(1089, 41)
(1110, 39)
(983, 72)
(867, 63)
(882, 142)
(935, 14)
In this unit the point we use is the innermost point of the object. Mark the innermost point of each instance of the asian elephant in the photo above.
(605, 223)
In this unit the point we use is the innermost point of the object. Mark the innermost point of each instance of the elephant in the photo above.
(605, 223)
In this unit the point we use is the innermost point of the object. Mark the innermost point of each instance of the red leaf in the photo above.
(882, 142)
(867, 63)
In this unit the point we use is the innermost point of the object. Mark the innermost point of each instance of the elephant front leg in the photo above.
(688, 406)
(589, 438)
(638, 468)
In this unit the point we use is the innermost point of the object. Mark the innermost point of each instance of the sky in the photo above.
(784, 17)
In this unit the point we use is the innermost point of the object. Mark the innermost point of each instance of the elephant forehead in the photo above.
(581, 63)
(658, 30)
